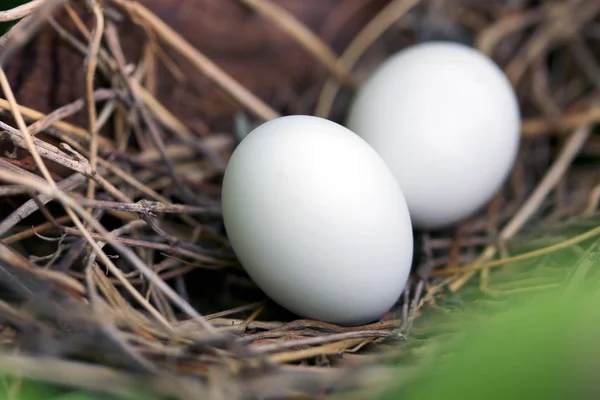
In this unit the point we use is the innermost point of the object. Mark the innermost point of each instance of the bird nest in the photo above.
(117, 120)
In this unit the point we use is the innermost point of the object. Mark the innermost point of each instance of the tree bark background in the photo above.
(49, 73)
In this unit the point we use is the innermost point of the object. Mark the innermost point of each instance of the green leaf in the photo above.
(27, 390)
(16, 389)
(541, 349)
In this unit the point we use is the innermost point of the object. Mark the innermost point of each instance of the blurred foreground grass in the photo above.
(546, 348)
(535, 335)
(16, 389)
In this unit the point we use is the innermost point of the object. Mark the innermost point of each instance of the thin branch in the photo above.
(20, 11)
(115, 48)
(65, 127)
(44, 149)
(20, 34)
(127, 253)
(147, 207)
(148, 245)
(365, 38)
(304, 36)
(200, 61)
(68, 110)
(336, 337)
(23, 127)
(27, 233)
(92, 62)
(479, 266)
(29, 207)
(532, 205)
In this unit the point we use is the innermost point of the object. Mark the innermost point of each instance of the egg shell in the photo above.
(446, 120)
(318, 220)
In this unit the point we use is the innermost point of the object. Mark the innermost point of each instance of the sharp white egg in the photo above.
(318, 220)
(446, 120)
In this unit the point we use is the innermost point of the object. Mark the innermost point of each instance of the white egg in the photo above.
(318, 220)
(446, 120)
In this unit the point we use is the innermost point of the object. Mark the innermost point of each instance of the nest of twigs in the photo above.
(117, 120)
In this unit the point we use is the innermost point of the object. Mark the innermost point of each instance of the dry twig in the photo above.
(204, 65)
(533, 203)
(369, 34)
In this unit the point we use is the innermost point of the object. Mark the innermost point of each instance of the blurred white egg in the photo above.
(318, 220)
(446, 120)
